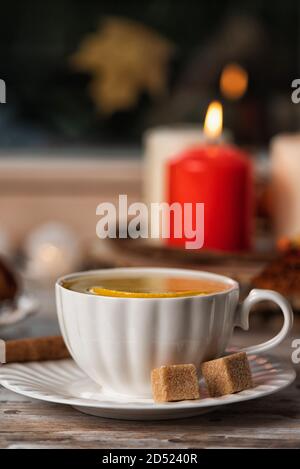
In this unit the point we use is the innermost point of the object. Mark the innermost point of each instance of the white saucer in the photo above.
(63, 382)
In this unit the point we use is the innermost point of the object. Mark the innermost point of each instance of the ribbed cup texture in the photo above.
(118, 341)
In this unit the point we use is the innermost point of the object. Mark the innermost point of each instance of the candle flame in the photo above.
(214, 120)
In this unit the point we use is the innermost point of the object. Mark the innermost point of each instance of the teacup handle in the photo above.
(242, 317)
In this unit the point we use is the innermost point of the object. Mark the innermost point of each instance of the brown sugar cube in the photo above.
(175, 383)
(227, 375)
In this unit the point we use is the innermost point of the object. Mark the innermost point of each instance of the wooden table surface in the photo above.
(270, 422)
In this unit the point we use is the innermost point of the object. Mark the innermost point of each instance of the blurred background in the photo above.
(60, 93)
(91, 84)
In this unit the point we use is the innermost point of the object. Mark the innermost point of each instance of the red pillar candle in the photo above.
(220, 177)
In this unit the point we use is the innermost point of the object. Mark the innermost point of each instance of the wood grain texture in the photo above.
(270, 422)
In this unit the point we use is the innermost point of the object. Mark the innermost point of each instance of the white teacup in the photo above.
(118, 341)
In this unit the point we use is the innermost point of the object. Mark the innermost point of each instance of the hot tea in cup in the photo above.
(145, 286)
(119, 324)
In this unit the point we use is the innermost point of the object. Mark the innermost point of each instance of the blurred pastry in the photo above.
(283, 273)
(8, 282)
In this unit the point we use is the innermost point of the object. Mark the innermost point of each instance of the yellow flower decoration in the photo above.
(125, 58)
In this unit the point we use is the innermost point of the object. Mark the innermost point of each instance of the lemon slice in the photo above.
(130, 294)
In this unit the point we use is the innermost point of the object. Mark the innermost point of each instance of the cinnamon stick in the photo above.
(34, 349)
